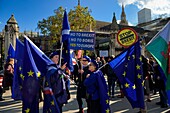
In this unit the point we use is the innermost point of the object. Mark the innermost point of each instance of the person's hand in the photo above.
(87, 75)
(146, 77)
(63, 66)
(81, 71)
(67, 76)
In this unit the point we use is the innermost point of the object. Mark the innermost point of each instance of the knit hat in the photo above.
(95, 63)
(53, 54)
(87, 58)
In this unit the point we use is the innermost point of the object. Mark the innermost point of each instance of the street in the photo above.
(117, 105)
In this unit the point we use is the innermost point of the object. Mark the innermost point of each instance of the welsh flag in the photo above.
(159, 47)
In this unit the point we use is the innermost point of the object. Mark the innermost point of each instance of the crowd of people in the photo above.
(57, 82)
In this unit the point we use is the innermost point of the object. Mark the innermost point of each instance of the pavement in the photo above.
(117, 105)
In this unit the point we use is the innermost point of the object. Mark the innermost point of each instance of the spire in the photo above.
(78, 2)
(12, 20)
(114, 25)
(123, 17)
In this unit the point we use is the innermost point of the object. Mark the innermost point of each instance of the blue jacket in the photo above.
(91, 85)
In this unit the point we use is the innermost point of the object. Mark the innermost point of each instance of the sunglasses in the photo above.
(84, 60)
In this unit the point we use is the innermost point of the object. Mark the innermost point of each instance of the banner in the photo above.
(82, 40)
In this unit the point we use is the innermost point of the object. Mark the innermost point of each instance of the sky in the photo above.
(28, 12)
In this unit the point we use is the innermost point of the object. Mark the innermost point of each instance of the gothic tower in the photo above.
(114, 30)
(114, 26)
(123, 17)
(11, 33)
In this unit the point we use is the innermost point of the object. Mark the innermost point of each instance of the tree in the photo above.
(79, 19)
(52, 25)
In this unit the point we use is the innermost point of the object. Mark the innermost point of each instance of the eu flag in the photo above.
(18, 70)
(65, 28)
(11, 53)
(103, 92)
(41, 60)
(128, 68)
(67, 55)
(30, 90)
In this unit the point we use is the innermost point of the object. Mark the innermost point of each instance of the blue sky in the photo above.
(29, 12)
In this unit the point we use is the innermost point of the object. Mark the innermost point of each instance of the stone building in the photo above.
(11, 33)
(106, 35)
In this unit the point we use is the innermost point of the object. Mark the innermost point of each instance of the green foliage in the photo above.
(79, 19)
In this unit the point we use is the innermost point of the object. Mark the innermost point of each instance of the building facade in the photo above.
(144, 15)
(106, 34)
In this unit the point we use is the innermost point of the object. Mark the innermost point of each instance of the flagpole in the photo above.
(103, 66)
(61, 48)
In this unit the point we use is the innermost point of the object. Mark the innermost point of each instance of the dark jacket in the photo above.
(81, 90)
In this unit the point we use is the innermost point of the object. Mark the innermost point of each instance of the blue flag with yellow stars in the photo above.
(67, 55)
(11, 53)
(103, 92)
(18, 70)
(128, 68)
(41, 60)
(30, 90)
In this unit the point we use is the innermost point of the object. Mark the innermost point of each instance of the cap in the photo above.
(87, 58)
(53, 54)
(95, 63)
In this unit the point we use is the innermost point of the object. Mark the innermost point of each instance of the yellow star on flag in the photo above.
(133, 56)
(30, 73)
(27, 110)
(126, 85)
(134, 87)
(128, 57)
(124, 74)
(138, 67)
(140, 58)
(52, 102)
(107, 101)
(107, 111)
(143, 83)
(20, 68)
(108, 93)
(139, 76)
(22, 77)
(38, 74)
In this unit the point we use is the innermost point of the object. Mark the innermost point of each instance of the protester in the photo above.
(111, 78)
(81, 89)
(54, 86)
(103, 63)
(1, 87)
(92, 88)
(147, 71)
(99, 61)
(8, 74)
(160, 85)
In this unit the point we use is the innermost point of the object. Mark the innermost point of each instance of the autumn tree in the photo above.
(79, 19)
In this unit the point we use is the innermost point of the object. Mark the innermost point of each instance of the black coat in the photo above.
(81, 90)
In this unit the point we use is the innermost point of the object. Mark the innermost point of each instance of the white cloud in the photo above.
(158, 7)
